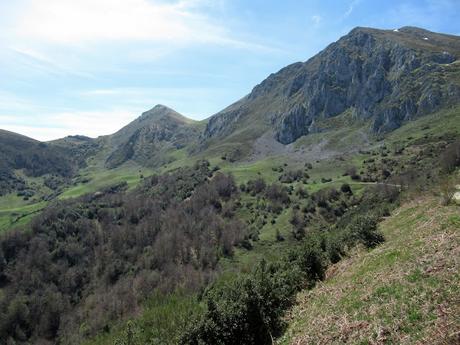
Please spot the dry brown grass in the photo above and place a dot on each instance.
(407, 291)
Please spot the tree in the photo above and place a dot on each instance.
(364, 229)
(298, 225)
(345, 188)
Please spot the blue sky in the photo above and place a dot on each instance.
(91, 66)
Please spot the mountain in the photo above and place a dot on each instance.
(383, 78)
(368, 82)
(149, 138)
(374, 79)
(294, 189)
(79, 147)
(34, 158)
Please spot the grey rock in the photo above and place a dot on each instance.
(294, 124)
(388, 77)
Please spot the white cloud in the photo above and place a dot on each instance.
(81, 37)
(93, 123)
(13, 103)
(194, 102)
(7, 119)
(58, 125)
(37, 133)
(75, 22)
(149, 91)
(39, 62)
(351, 7)
(316, 19)
(45, 123)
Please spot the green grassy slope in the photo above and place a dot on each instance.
(414, 133)
(13, 216)
(96, 176)
(95, 179)
(404, 292)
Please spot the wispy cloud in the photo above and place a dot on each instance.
(194, 102)
(57, 37)
(316, 19)
(71, 22)
(41, 122)
(351, 7)
(38, 61)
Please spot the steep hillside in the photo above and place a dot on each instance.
(175, 231)
(150, 138)
(404, 292)
(35, 158)
(382, 78)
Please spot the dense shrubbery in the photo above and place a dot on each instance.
(10, 182)
(93, 260)
(249, 309)
(255, 187)
(90, 261)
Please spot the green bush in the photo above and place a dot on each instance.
(311, 261)
(364, 229)
(249, 310)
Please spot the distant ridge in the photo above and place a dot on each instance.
(378, 78)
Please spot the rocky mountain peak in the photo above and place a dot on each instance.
(385, 77)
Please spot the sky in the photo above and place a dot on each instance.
(90, 67)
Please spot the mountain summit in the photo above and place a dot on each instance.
(146, 139)
(384, 77)
(375, 79)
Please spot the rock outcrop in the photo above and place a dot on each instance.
(386, 77)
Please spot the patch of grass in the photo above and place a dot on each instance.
(100, 178)
(403, 292)
(244, 172)
(10, 201)
(19, 215)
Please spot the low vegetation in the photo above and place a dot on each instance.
(219, 259)
(404, 292)
(277, 220)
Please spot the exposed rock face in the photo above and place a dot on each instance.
(372, 75)
(383, 76)
(294, 124)
(224, 123)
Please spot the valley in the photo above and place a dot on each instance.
(287, 217)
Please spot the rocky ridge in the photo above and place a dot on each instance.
(386, 77)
